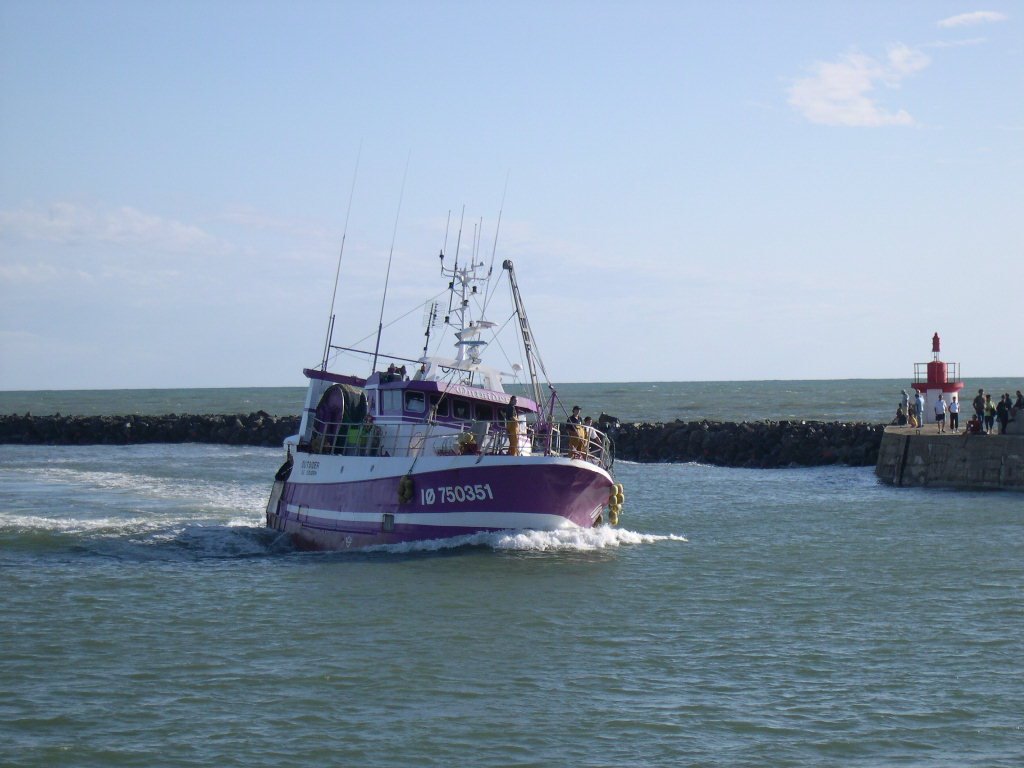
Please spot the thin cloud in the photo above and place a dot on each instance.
(38, 273)
(972, 19)
(252, 219)
(70, 224)
(843, 92)
(956, 43)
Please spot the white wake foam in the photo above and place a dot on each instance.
(112, 526)
(149, 537)
(566, 540)
(209, 494)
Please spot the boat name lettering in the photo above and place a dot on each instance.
(453, 494)
(480, 394)
(310, 466)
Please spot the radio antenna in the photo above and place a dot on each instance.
(341, 252)
(451, 285)
(444, 245)
(494, 250)
(391, 253)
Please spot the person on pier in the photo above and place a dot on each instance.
(979, 406)
(1003, 412)
(940, 414)
(990, 415)
(901, 417)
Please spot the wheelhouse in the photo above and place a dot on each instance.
(392, 415)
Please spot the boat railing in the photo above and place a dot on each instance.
(587, 443)
(480, 437)
(949, 371)
(492, 438)
(345, 438)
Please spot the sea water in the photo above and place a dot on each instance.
(737, 617)
(866, 400)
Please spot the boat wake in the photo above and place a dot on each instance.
(568, 540)
(139, 538)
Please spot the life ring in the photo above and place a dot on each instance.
(405, 489)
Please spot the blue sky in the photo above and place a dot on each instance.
(695, 190)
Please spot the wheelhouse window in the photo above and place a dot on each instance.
(415, 402)
(461, 409)
(484, 412)
(391, 401)
(439, 404)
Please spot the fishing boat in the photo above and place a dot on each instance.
(435, 447)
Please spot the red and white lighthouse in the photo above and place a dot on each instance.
(936, 379)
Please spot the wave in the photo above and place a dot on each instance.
(138, 538)
(210, 494)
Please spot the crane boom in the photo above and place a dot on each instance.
(532, 358)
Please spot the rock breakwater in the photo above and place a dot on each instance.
(258, 428)
(760, 444)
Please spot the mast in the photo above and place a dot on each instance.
(464, 285)
(430, 319)
(455, 269)
(524, 327)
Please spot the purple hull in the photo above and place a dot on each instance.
(541, 495)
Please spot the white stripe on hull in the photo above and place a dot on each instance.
(464, 519)
(324, 468)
